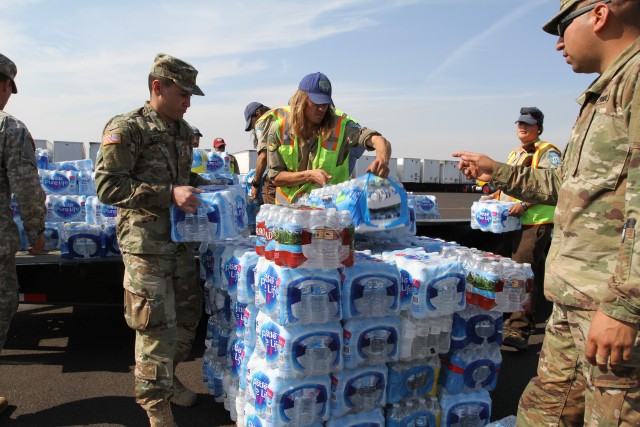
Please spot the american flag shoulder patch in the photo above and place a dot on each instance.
(111, 138)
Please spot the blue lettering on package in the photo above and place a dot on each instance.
(484, 218)
(260, 383)
(66, 209)
(426, 204)
(231, 269)
(56, 182)
(109, 211)
(269, 282)
(214, 163)
(270, 336)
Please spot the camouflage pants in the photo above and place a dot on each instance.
(569, 391)
(8, 294)
(163, 304)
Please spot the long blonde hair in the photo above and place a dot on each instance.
(297, 103)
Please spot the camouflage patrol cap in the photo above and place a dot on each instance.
(551, 27)
(182, 73)
(8, 69)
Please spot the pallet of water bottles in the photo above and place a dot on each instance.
(394, 338)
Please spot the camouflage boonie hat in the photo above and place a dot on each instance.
(551, 27)
(8, 69)
(182, 73)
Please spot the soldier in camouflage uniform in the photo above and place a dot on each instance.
(143, 165)
(18, 175)
(589, 368)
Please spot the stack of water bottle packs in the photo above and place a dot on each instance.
(220, 215)
(304, 330)
(76, 222)
(374, 203)
(493, 216)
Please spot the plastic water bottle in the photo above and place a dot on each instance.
(509, 421)
(315, 304)
(375, 300)
(218, 381)
(270, 226)
(348, 238)
(412, 379)
(289, 240)
(482, 282)
(357, 390)
(513, 294)
(528, 272)
(476, 327)
(206, 365)
(395, 415)
(471, 369)
(261, 228)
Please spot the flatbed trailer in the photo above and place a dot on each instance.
(51, 279)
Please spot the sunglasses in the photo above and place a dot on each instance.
(567, 20)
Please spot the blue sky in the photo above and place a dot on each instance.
(433, 76)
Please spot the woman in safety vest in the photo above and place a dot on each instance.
(530, 243)
(309, 142)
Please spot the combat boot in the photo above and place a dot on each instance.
(160, 415)
(3, 404)
(182, 396)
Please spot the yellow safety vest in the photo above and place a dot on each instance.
(326, 157)
(537, 214)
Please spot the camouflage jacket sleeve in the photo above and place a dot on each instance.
(274, 158)
(623, 300)
(528, 184)
(195, 180)
(114, 166)
(22, 172)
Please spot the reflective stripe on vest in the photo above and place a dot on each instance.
(326, 157)
(537, 214)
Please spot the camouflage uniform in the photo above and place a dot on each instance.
(141, 158)
(597, 189)
(18, 174)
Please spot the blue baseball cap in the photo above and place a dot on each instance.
(196, 131)
(318, 87)
(249, 111)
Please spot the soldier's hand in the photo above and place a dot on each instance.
(475, 166)
(254, 193)
(184, 197)
(610, 342)
(38, 247)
